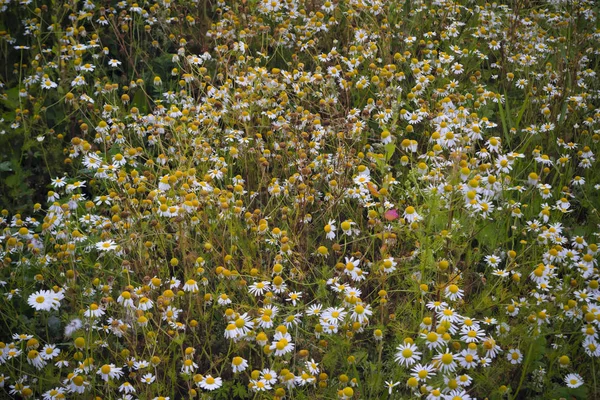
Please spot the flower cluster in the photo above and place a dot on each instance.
(341, 199)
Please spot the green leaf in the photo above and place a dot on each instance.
(562, 392)
(239, 391)
(390, 149)
(521, 111)
(12, 98)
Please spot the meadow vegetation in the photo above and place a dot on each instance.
(269, 199)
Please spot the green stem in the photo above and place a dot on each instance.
(524, 373)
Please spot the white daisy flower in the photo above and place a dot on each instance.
(210, 383)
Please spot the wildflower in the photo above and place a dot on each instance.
(114, 63)
(109, 371)
(446, 361)
(107, 245)
(294, 297)
(458, 394)
(76, 383)
(448, 314)
(330, 229)
(348, 228)
(468, 359)
(492, 260)
(126, 388)
(260, 385)
(333, 315)
(457, 69)
(145, 304)
(411, 215)
(88, 67)
(269, 376)
(422, 372)
(361, 313)
(94, 311)
(432, 339)
(386, 137)
(44, 300)
(58, 182)
(282, 343)
(231, 332)
(188, 367)
(514, 356)
(34, 358)
(54, 394)
(391, 385)
(391, 215)
(314, 309)
(49, 351)
(258, 288)
(174, 283)
(573, 380)
(407, 354)
(389, 265)
(48, 84)
(453, 292)
(148, 378)
(125, 299)
(141, 364)
(238, 364)
(292, 320)
(471, 334)
(243, 324)
(224, 299)
(437, 306)
(210, 383)
(190, 286)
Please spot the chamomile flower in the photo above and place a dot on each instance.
(411, 215)
(514, 356)
(109, 371)
(48, 84)
(126, 388)
(238, 364)
(314, 309)
(446, 361)
(282, 343)
(453, 292)
(422, 372)
(44, 300)
(330, 229)
(259, 288)
(94, 311)
(190, 286)
(407, 354)
(573, 380)
(361, 313)
(148, 378)
(34, 358)
(107, 245)
(391, 385)
(209, 383)
(294, 297)
(49, 352)
(188, 367)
